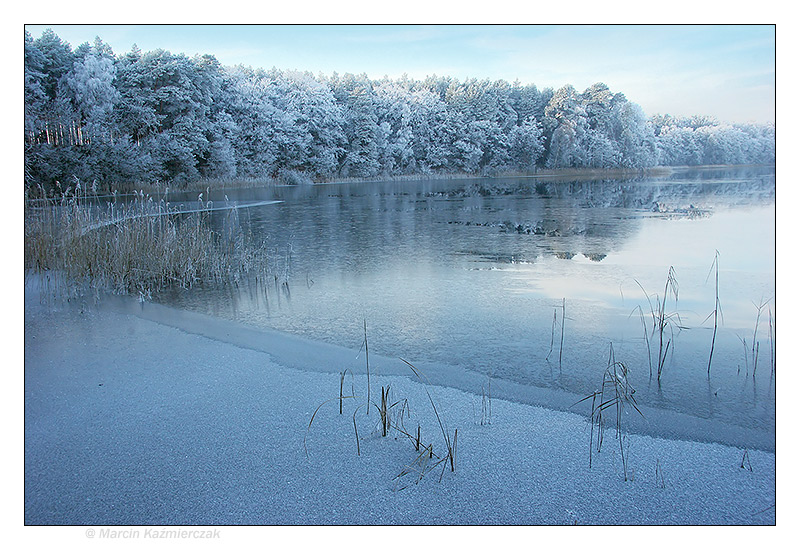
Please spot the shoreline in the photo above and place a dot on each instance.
(570, 174)
(299, 352)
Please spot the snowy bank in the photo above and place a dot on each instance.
(129, 421)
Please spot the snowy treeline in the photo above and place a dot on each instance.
(158, 116)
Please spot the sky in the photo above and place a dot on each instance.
(724, 71)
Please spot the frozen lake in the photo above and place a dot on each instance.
(474, 273)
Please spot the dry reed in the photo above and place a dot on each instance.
(133, 247)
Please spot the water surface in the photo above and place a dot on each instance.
(478, 273)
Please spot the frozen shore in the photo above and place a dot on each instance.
(130, 421)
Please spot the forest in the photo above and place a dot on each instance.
(105, 120)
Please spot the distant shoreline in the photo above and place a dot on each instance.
(572, 174)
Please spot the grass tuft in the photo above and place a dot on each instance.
(486, 403)
(745, 464)
(665, 320)
(663, 323)
(754, 347)
(391, 413)
(616, 394)
(450, 444)
(659, 474)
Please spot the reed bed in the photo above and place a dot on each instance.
(137, 246)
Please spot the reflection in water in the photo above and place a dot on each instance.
(469, 272)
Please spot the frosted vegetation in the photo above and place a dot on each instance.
(153, 117)
(134, 246)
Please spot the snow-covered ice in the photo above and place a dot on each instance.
(129, 421)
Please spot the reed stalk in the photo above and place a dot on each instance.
(755, 359)
(759, 308)
(771, 343)
(383, 410)
(755, 345)
(617, 394)
(486, 403)
(355, 429)
(450, 444)
(365, 347)
(717, 307)
(746, 362)
(745, 464)
(646, 340)
(664, 320)
(552, 335)
(366, 354)
(659, 474)
(563, 317)
(341, 389)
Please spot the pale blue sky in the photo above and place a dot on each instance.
(723, 71)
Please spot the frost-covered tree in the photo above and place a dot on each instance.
(759, 142)
(35, 95)
(526, 145)
(50, 117)
(482, 100)
(222, 156)
(679, 147)
(90, 86)
(358, 97)
(136, 114)
(257, 120)
(395, 106)
(702, 140)
(320, 123)
(51, 59)
(565, 119)
(150, 116)
(435, 131)
(527, 101)
(637, 141)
